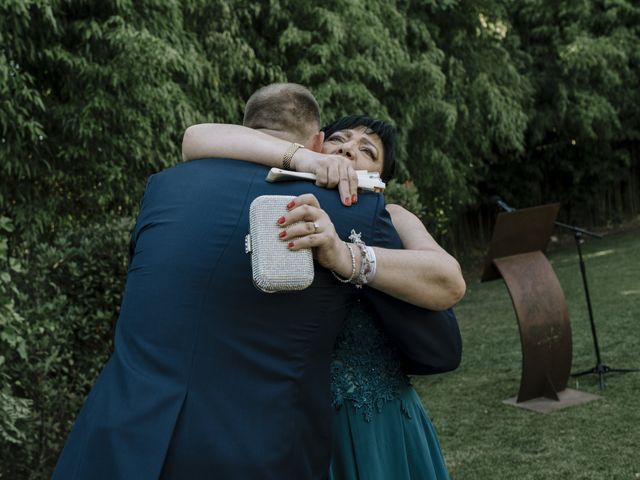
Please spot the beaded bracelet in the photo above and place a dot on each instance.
(368, 262)
(372, 265)
(356, 239)
(353, 267)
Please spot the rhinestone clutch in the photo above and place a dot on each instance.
(275, 268)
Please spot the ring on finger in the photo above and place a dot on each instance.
(315, 227)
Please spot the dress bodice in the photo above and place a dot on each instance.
(365, 368)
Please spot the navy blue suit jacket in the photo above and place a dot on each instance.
(211, 378)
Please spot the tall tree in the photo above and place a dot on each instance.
(584, 132)
(95, 103)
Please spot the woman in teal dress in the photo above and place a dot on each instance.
(381, 430)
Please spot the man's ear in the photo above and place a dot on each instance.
(316, 142)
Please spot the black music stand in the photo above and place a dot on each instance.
(600, 369)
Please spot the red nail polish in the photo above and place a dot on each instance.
(291, 204)
(290, 245)
(347, 201)
(280, 220)
(282, 234)
(354, 198)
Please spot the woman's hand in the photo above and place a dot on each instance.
(315, 231)
(331, 171)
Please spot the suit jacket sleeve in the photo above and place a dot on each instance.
(136, 229)
(429, 340)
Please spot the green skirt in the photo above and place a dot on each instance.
(399, 443)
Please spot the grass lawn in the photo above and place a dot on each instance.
(484, 439)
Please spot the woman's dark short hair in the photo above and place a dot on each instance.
(384, 130)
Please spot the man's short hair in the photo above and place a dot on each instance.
(285, 107)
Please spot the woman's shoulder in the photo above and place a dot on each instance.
(395, 208)
(401, 216)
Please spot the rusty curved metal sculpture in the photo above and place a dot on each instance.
(516, 254)
(543, 321)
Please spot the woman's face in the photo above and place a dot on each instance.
(364, 149)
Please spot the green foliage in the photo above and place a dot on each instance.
(405, 194)
(583, 61)
(97, 97)
(68, 293)
(13, 410)
(534, 99)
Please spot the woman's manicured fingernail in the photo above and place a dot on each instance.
(291, 204)
(354, 198)
(280, 220)
(282, 234)
(290, 245)
(347, 201)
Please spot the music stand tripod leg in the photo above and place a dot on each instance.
(600, 369)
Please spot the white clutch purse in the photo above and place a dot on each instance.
(274, 267)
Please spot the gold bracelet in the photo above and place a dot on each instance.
(288, 156)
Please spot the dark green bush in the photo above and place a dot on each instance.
(68, 293)
(14, 411)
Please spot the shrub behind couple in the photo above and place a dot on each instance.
(211, 378)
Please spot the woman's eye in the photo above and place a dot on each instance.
(336, 138)
(370, 153)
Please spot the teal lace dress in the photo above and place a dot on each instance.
(381, 430)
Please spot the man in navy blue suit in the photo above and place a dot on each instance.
(211, 378)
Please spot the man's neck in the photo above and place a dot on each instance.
(281, 134)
